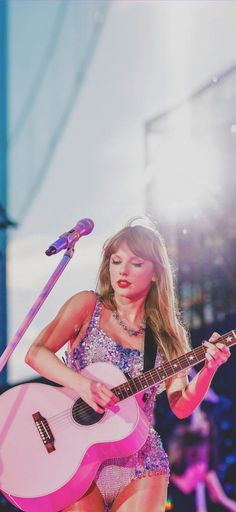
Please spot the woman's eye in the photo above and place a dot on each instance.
(115, 262)
(138, 264)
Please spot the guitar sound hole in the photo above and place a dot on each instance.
(84, 414)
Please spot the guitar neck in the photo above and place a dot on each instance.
(168, 369)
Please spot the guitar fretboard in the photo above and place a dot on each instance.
(168, 369)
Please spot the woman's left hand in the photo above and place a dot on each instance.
(217, 353)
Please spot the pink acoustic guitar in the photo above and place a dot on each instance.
(52, 442)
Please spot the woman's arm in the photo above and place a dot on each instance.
(187, 482)
(41, 356)
(185, 396)
(217, 493)
(70, 318)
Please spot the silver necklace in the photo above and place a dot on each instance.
(129, 330)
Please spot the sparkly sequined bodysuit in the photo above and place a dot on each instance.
(114, 474)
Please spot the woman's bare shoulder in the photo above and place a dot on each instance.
(80, 310)
(83, 301)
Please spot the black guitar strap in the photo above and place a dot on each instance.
(150, 349)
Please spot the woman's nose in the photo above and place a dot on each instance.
(124, 270)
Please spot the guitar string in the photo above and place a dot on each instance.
(169, 363)
(124, 386)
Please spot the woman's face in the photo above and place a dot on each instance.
(131, 276)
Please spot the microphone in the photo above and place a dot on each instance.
(82, 228)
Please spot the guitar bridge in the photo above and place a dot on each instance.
(44, 431)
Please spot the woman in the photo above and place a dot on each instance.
(194, 462)
(135, 289)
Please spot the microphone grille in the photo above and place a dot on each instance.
(84, 226)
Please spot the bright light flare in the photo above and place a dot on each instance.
(184, 176)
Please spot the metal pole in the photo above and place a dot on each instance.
(35, 308)
(3, 181)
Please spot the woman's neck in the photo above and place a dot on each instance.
(132, 310)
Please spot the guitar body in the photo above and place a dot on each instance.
(36, 478)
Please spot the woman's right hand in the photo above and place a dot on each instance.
(96, 394)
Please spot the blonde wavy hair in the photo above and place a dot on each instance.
(160, 306)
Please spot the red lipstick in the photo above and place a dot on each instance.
(123, 283)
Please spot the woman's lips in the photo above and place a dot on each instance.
(122, 283)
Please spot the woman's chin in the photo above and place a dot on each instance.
(130, 294)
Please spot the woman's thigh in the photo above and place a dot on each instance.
(142, 495)
(91, 501)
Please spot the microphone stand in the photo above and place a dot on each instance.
(36, 306)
